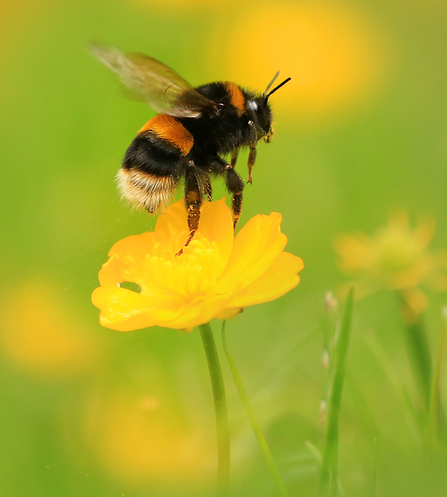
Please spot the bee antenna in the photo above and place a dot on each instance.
(271, 82)
(277, 87)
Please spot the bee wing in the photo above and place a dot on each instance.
(157, 84)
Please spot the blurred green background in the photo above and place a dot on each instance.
(361, 130)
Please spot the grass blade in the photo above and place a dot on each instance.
(253, 420)
(329, 469)
(435, 397)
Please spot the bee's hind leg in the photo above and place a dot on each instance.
(235, 185)
(193, 201)
(208, 189)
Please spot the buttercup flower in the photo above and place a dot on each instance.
(396, 257)
(216, 276)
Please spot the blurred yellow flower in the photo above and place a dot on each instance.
(216, 276)
(42, 335)
(334, 53)
(396, 257)
(146, 437)
(169, 5)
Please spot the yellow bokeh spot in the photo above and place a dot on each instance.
(146, 439)
(331, 52)
(179, 4)
(41, 334)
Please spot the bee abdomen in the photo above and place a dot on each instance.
(154, 162)
(149, 191)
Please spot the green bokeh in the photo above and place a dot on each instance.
(64, 130)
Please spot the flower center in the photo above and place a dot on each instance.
(192, 275)
(398, 254)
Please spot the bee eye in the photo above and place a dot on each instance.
(252, 105)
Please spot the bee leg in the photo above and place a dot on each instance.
(193, 200)
(252, 153)
(235, 185)
(236, 205)
(208, 189)
(234, 157)
(234, 182)
(251, 162)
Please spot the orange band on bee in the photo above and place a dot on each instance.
(169, 129)
(236, 96)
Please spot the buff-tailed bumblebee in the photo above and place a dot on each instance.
(194, 127)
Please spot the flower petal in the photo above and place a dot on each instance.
(425, 231)
(125, 310)
(216, 224)
(134, 247)
(355, 252)
(173, 221)
(196, 314)
(126, 261)
(255, 248)
(277, 280)
(116, 271)
(229, 313)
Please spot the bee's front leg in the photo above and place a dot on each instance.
(193, 201)
(252, 153)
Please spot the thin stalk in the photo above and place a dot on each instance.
(435, 397)
(220, 408)
(418, 349)
(253, 420)
(374, 472)
(329, 469)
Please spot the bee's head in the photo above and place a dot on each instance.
(261, 109)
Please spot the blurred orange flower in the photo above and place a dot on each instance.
(396, 257)
(216, 276)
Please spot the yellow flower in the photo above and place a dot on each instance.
(396, 257)
(216, 276)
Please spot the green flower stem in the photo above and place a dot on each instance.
(253, 420)
(418, 350)
(220, 408)
(435, 412)
(329, 469)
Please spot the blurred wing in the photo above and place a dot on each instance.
(155, 83)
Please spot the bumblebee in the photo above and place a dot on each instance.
(193, 129)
